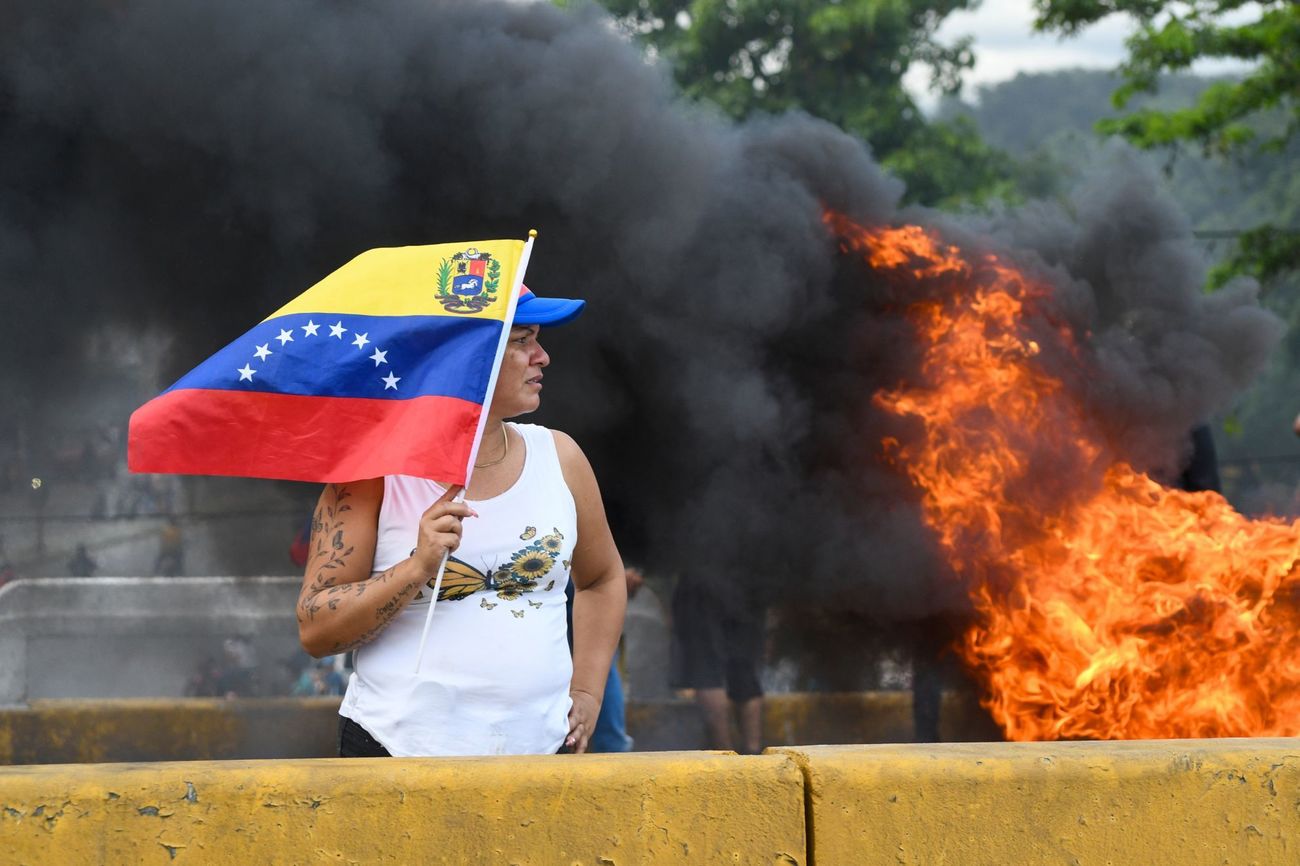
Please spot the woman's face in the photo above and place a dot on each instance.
(519, 384)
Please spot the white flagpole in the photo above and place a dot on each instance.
(511, 302)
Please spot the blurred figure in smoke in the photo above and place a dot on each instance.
(206, 681)
(1202, 470)
(319, 678)
(238, 676)
(171, 550)
(931, 663)
(717, 649)
(81, 564)
(6, 567)
(300, 548)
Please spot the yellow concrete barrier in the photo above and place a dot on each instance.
(797, 718)
(167, 729)
(589, 809)
(1178, 802)
(71, 731)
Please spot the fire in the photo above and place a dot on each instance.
(1107, 605)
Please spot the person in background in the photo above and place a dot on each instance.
(81, 564)
(718, 646)
(7, 572)
(206, 681)
(300, 548)
(238, 677)
(171, 550)
(1202, 470)
(319, 678)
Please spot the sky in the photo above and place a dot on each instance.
(1006, 44)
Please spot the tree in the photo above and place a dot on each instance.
(842, 61)
(1258, 110)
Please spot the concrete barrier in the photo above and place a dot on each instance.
(829, 718)
(597, 809)
(175, 729)
(106, 637)
(1184, 803)
(1180, 802)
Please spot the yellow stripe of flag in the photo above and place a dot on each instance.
(413, 281)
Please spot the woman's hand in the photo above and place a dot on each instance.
(582, 720)
(440, 529)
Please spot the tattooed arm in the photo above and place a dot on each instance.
(342, 604)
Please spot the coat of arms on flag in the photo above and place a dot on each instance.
(468, 281)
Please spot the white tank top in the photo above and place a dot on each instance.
(496, 671)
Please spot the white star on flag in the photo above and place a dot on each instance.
(245, 373)
(390, 381)
(285, 337)
(337, 329)
(360, 341)
(263, 351)
(380, 357)
(310, 329)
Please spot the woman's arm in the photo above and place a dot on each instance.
(600, 594)
(342, 605)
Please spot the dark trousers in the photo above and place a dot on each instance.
(356, 742)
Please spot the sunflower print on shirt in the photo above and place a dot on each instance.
(521, 575)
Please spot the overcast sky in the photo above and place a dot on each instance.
(1005, 44)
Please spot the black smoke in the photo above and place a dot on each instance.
(189, 166)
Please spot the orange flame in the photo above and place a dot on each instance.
(1117, 609)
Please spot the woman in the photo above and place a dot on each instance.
(496, 677)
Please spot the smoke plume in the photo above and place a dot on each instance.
(189, 166)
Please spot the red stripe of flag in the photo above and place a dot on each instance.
(198, 431)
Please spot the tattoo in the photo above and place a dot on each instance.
(307, 604)
(330, 554)
(327, 522)
(389, 609)
(383, 614)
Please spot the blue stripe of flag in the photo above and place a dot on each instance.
(397, 357)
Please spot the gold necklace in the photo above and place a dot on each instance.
(505, 450)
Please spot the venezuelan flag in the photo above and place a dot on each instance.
(384, 367)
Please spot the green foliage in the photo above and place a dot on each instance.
(842, 61)
(1261, 253)
(947, 164)
(1171, 35)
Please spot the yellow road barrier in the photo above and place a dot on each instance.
(692, 807)
(1177, 802)
(1184, 802)
(72, 731)
(167, 729)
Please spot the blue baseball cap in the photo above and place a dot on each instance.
(532, 310)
